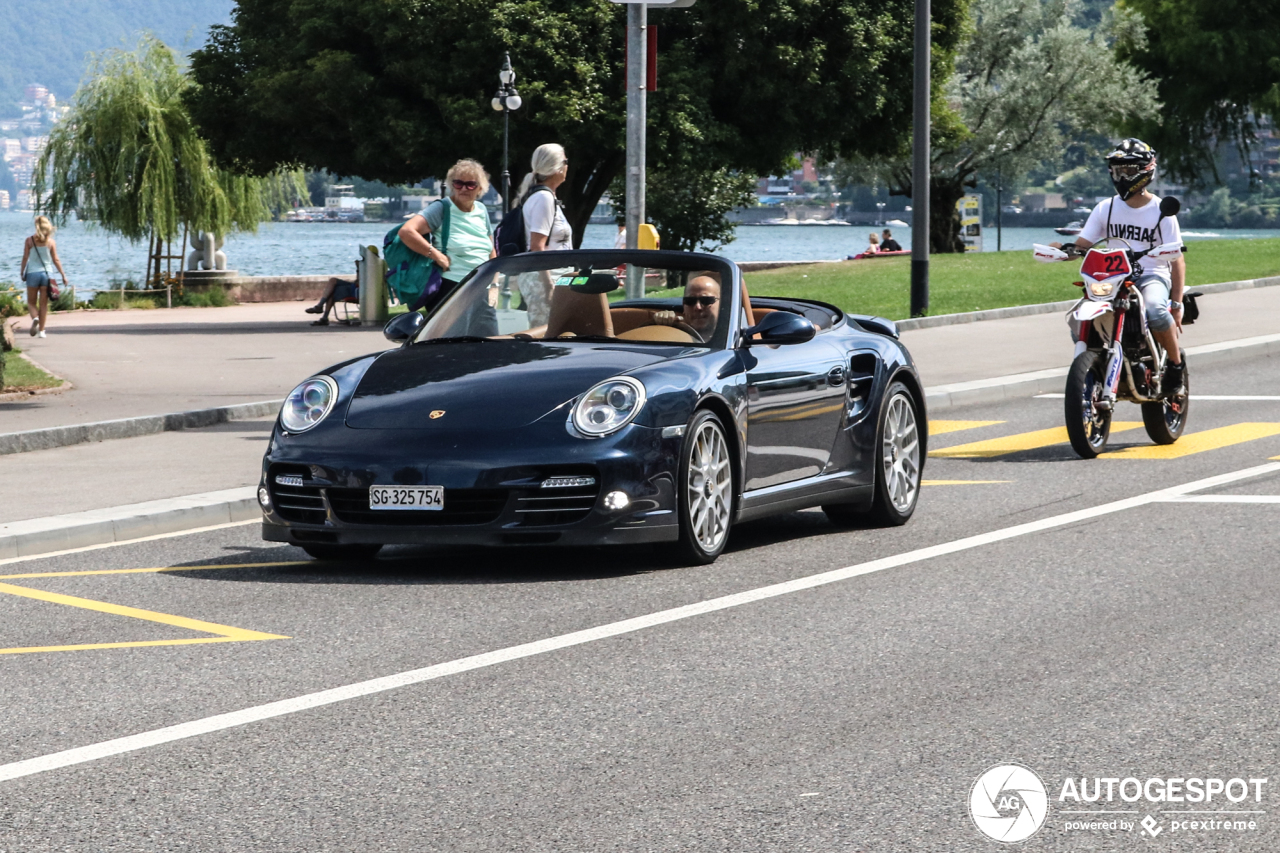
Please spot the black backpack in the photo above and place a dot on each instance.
(509, 239)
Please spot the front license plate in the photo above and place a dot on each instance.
(406, 497)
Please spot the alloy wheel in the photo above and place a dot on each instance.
(901, 453)
(710, 487)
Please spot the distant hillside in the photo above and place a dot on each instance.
(47, 42)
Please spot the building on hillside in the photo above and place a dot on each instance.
(10, 148)
(22, 166)
(4, 199)
(24, 200)
(34, 144)
(35, 93)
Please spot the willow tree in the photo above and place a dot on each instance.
(129, 157)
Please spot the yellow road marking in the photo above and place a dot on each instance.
(223, 633)
(152, 570)
(944, 427)
(960, 482)
(1022, 441)
(1199, 442)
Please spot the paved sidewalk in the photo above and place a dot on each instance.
(132, 363)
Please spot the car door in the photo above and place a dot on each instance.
(795, 405)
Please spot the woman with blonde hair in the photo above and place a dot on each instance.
(38, 274)
(545, 225)
(467, 241)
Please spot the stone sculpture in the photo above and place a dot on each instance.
(208, 254)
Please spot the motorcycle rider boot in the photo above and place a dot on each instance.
(1171, 382)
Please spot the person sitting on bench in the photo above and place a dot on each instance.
(337, 289)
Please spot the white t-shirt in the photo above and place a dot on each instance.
(1137, 226)
(543, 216)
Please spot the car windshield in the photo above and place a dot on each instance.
(562, 296)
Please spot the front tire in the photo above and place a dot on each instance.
(1166, 419)
(706, 491)
(343, 553)
(1088, 427)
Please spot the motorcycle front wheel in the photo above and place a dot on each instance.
(1088, 427)
(1166, 419)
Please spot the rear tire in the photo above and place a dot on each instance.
(1087, 426)
(1164, 423)
(342, 553)
(706, 491)
(898, 466)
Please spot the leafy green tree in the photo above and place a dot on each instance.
(396, 90)
(1027, 81)
(129, 157)
(1218, 67)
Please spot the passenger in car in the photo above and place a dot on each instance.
(701, 311)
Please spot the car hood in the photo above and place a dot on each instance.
(485, 385)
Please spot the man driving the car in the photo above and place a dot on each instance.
(701, 306)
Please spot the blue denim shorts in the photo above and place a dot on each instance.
(37, 279)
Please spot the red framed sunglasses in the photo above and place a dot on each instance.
(466, 185)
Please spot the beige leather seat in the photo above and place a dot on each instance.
(578, 313)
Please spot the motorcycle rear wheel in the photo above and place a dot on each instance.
(1088, 427)
(1166, 419)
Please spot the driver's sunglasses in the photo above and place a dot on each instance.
(466, 185)
(704, 301)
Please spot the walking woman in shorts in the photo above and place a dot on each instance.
(39, 258)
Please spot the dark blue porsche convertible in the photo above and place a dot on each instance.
(586, 418)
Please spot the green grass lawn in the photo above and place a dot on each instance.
(979, 281)
(22, 375)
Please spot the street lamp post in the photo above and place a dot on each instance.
(505, 101)
(879, 212)
(920, 164)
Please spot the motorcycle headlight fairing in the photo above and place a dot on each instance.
(609, 406)
(308, 404)
(1101, 288)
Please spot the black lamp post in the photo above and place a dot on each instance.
(505, 101)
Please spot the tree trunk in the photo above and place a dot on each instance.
(581, 192)
(944, 219)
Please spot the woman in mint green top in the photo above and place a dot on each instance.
(470, 238)
(39, 259)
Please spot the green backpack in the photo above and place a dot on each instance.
(408, 272)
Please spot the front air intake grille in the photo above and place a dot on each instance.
(546, 507)
(294, 496)
(461, 506)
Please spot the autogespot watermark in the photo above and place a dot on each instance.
(1010, 803)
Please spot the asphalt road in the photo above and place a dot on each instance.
(849, 712)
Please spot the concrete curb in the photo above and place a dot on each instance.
(46, 439)
(1051, 381)
(123, 523)
(1053, 307)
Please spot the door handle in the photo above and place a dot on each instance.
(835, 376)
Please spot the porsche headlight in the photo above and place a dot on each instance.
(609, 406)
(308, 404)
(1101, 288)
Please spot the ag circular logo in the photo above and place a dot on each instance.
(1008, 803)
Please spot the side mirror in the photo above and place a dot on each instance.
(1169, 206)
(403, 326)
(781, 327)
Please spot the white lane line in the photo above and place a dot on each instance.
(1224, 499)
(1263, 397)
(221, 722)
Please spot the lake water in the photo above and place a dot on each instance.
(94, 259)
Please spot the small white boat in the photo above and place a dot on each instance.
(1071, 229)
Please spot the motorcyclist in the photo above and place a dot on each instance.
(1132, 166)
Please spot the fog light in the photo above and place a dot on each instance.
(617, 501)
(264, 497)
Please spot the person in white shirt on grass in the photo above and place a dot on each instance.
(1133, 215)
(545, 226)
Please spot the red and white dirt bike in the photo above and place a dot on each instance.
(1116, 356)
